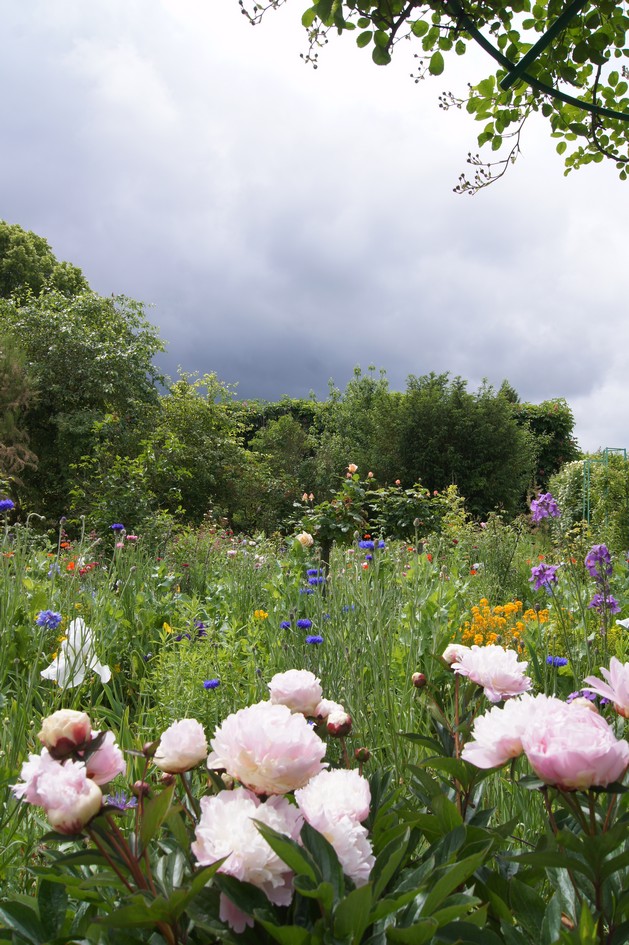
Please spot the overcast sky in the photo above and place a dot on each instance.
(286, 224)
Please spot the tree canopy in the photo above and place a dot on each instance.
(564, 59)
(28, 264)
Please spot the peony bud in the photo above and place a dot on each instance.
(419, 680)
(304, 497)
(362, 755)
(339, 724)
(65, 730)
(140, 788)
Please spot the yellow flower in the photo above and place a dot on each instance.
(260, 614)
(117, 668)
(77, 606)
(167, 628)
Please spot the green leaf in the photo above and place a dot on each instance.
(52, 902)
(363, 39)
(24, 920)
(287, 934)
(417, 934)
(351, 916)
(381, 57)
(387, 863)
(455, 875)
(288, 851)
(309, 17)
(325, 858)
(419, 28)
(528, 906)
(436, 64)
(154, 813)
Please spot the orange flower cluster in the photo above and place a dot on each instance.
(504, 624)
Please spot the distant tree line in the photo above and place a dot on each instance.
(88, 426)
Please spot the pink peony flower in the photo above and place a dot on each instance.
(325, 707)
(69, 798)
(32, 770)
(575, 750)
(64, 730)
(497, 670)
(498, 734)
(616, 689)
(339, 793)
(226, 828)
(267, 748)
(338, 724)
(299, 689)
(182, 747)
(106, 762)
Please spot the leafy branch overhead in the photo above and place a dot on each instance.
(564, 59)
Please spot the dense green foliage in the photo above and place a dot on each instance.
(563, 60)
(28, 265)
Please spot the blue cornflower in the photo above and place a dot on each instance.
(314, 639)
(211, 683)
(6, 505)
(312, 572)
(120, 801)
(366, 543)
(49, 619)
(285, 625)
(306, 590)
(326, 617)
(368, 557)
(304, 624)
(557, 661)
(54, 569)
(117, 527)
(316, 580)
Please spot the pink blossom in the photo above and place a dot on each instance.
(267, 748)
(497, 670)
(69, 798)
(226, 828)
(106, 762)
(341, 792)
(325, 707)
(182, 747)
(616, 689)
(575, 750)
(497, 735)
(299, 689)
(64, 730)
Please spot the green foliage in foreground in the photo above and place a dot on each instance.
(462, 855)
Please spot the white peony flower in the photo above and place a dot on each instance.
(181, 747)
(299, 689)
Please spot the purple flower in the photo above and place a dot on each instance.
(557, 661)
(285, 625)
(369, 545)
(316, 580)
(598, 561)
(314, 639)
(48, 619)
(606, 602)
(211, 683)
(544, 506)
(544, 575)
(312, 572)
(582, 694)
(6, 505)
(117, 527)
(120, 801)
(304, 624)
(306, 590)
(368, 557)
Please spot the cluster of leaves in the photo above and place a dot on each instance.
(564, 61)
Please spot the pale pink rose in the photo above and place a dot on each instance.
(67, 795)
(575, 750)
(182, 747)
(616, 689)
(32, 770)
(325, 707)
(497, 735)
(497, 670)
(226, 828)
(64, 730)
(299, 689)
(454, 652)
(339, 793)
(305, 539)
(106, 762)
(267, 748)
(352, 468)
